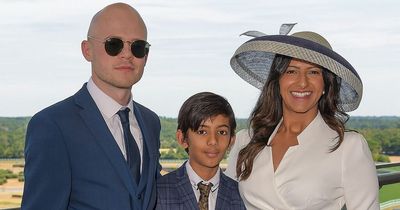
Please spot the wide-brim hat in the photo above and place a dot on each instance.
(252, 62)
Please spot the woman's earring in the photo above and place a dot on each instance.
(323, 92)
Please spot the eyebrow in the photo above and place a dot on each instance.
(311, 67)
(220, 126)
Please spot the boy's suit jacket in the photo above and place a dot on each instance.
(174, 191)
(74, 163)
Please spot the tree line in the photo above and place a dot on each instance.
(12, 136)
(382, 134)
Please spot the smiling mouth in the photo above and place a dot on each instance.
(212, 154)
(300, 94)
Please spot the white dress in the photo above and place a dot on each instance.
(309, 176)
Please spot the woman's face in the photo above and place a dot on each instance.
(301, 86)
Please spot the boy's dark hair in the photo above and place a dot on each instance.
(201, 107)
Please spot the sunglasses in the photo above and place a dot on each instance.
(114, 46)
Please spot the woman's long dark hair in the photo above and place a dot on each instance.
(268, 112)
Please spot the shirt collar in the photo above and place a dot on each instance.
(195, 179)
(317, 127)
(318, 120)
(107, 105)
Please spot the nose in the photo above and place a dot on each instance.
(303, 80)
(126, 51)
(212, 140)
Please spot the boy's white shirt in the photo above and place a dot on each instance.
(195, 179)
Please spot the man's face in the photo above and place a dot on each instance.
(123, 70)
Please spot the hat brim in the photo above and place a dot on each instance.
(253, 59)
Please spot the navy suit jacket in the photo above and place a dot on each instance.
(174, 191)
(73, 162)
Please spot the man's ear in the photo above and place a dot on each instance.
(232, 142)
(145, 58)
(86, 50)
(180, 137)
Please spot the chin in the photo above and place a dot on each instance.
(125, 84)
(212, 165)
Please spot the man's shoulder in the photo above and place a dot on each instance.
(148, 115)
(60, 110)
(143, 109)
(53, 116)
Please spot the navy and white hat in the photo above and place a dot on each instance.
(252, 61)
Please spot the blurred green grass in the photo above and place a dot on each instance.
(389, 192)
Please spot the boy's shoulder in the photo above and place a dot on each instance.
(228, 182)
(173, 176)
(228, 193)
(174, 187)
(168, 178)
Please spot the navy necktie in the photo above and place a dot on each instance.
(132, 149)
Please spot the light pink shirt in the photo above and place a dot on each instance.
(109, 108)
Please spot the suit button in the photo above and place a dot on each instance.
(139, 196)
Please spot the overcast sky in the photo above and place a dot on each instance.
(192, 43)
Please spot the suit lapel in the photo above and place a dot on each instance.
(223, 192)
(148, 146)
(185, 189)
(94, 121)
(148, 165)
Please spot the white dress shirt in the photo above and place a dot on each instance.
(309, 176)
(195, 179)
(109, 108)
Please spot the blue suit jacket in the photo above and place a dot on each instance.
(73, 162)
(174, 191)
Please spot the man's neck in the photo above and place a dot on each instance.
(120, 95)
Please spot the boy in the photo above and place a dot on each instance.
(206, 128)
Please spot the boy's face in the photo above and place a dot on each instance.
(207, 145)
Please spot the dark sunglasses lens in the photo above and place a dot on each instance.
(113, 46)
(140, 48)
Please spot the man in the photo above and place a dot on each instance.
(98, 149)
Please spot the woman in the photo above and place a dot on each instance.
(298, 154)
